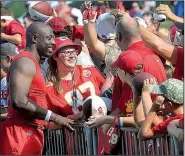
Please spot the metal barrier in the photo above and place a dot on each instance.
(84, 141)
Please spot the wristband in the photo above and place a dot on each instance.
(48, 115)
(116, 120)
(119, 124)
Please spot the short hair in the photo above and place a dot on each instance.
(27, 15)
(66, 32)
(168, 71)
(149, 13)
(5, 11)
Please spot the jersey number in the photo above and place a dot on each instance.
(87, 86)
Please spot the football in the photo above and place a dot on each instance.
(94, 106)
(40, 11)
(138, 80)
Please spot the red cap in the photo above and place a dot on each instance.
(78, 32)
(61, 42)
(57, 24)
(128, 61)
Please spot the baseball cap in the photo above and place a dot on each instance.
(105, 26)
(179, 25)
(128, 61)
(62, 42)
(9, 49)
(57, 24)
(172, 89)
(78, 32)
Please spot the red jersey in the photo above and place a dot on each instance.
(179, 66)
(88, 81)
(37, 93)
(16, 28)
(162, 127)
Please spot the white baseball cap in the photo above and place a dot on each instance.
(105, 26)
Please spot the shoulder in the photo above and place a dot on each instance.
(23, 65)
(15, 23)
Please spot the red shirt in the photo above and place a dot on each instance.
(126, 100)
(162, 127)
(16, 28)
(152, 64)
(88, 82)
(179, 66)
(37, 94)
(117, 91)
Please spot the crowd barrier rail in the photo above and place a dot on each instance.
(84, 141)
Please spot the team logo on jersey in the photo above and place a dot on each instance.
(129, 108)
(86, 73)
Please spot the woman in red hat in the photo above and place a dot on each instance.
(70, 84)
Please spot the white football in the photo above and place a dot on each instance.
(159, 17)
(94, 106)
(40, 11)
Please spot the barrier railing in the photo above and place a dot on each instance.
(84, 141)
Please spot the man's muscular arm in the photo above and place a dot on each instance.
(22, 72)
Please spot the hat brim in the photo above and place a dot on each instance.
(155, 89)
(76, 46)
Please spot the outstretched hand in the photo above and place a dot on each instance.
(96, 121)
(63, 121)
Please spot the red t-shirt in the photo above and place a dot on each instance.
(152, 65)
(162, 127)
(16, 28)
(88, 82)
(179, 66)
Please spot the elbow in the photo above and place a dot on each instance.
(16, 103)
(18, 40)
(142, 135)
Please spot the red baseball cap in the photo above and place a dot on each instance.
(78, 32)
(62, 42)
(128, 61)
(57, 24)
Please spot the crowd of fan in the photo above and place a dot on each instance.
(100, 52)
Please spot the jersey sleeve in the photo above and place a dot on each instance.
(98, 77)
(16, 29)
(162, 127)
(179, 67)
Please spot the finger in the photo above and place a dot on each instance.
(91, 118)
(71, 121)
(161, 12)
(144, 83)
(69, 127)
